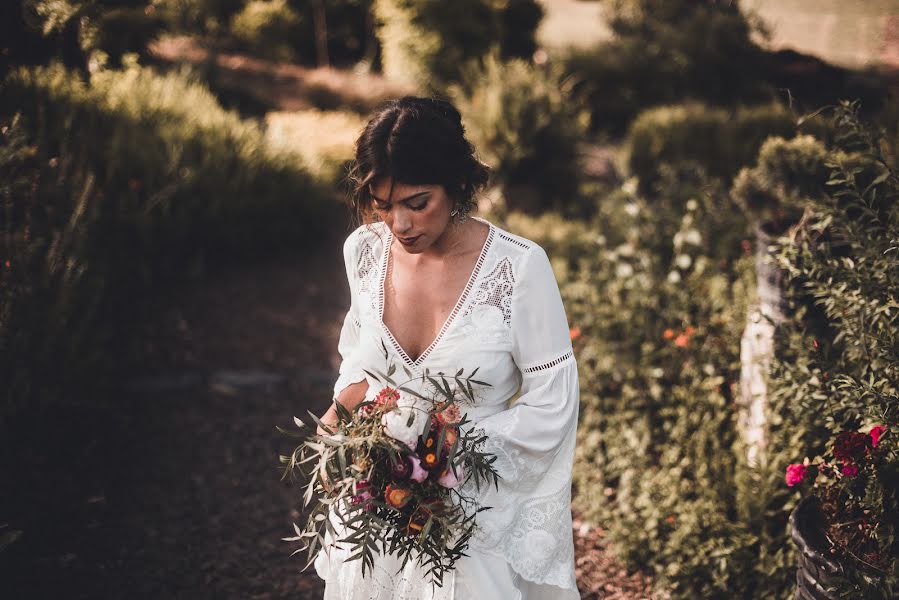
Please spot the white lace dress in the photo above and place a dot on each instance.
(510, 322)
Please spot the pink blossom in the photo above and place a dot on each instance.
(850, 469)
(448, 479)
(795, 474)
(418, 473)
(875, 434)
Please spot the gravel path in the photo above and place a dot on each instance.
(177, 492)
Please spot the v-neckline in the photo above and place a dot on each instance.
(453, 313)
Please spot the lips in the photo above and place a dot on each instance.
(409, 241)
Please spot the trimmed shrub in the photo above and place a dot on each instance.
(529, 134)
(717, 140)
(786, 175)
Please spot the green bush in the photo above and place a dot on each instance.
(718, 140)
(665, 51)
(266, 27)
(658, 293)
(528, 132)
(431, 44)
(837, 358)
(119, 187)
(786, 175)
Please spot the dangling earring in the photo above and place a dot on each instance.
(459, 213)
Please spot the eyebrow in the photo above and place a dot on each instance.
(406, 199)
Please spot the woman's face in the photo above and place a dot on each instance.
(417, 215)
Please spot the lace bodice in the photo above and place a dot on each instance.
(509, 322)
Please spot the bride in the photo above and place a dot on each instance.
(444, 291)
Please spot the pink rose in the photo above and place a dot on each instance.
(448, 479)
(849, 469)
(418, 473)
(875, 434)
(795, 474)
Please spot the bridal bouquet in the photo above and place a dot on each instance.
(391, 470)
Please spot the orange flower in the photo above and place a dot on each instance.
(668, 334)
(397, 496)
(670, 519)
(690, 330)
(429, 460)
(575, 333)
(8, 264)
(681, 341)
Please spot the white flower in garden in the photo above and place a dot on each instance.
(623, 271)
(673, 277)
(692, 204)
(625, 249)
(683, 261)
(407, 421)
(691, 236)
(630, 186)
(631, 209)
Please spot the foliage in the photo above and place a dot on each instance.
(78, 30)
(666, 51)
(658, 292)
(786, 175)
(116, 188)
(837, 364)
(265, 27)
(529, 133)
(431, 44)
(718, 140)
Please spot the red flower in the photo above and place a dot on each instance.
(850, 446)
(387, 398)
(850, 469)
(875, 434)
(575, 333)
(681, 341)
(795, 474)
(668, 334)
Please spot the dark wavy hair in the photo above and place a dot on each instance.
(416, 141)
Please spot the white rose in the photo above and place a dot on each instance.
(407, 421)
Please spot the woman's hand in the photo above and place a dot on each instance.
(350, 397)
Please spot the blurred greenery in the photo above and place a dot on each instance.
(122, 175)
(116, 187)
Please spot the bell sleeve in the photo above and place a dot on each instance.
(350, 370)
(529, 522)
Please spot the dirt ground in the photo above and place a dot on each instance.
(177, 493)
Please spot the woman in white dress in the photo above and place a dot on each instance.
(444, 291)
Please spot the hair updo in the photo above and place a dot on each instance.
(416, 141)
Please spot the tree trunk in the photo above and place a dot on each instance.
(321, 33)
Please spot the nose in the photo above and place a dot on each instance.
(402, 220)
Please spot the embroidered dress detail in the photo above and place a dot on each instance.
(449, 320)
(509, 323)
(515, 241)
(496, 290)
(548, 365)
(366, 270)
